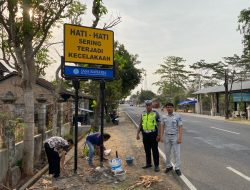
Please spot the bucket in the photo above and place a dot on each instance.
(116, 165)
(121, 176)
(129, 160)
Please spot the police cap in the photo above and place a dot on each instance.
(148, 102)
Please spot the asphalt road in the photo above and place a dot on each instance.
(215, 154)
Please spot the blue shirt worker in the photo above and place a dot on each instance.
(149, 124)
(92, 141)
(171, 135)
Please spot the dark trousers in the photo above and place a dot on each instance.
(53, 159)
(149, 142)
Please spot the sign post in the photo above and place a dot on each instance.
(102, 89)
(94, 50)
(76, 85)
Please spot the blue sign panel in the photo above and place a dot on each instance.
(244, 97)
(82, 72)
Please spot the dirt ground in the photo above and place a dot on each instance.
(124, 142)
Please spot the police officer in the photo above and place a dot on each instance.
(149, 124)
(171, 135)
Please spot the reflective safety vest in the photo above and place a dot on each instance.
(149, 121)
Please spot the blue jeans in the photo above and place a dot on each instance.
(91, 152)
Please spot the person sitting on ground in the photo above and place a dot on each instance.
(94, 140)
(56, 149)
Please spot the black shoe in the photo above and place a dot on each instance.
(157, 169)
(56, 176)
(178, 172)
(147, 166)
(168, 169)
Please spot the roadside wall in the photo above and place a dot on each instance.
(19, 154)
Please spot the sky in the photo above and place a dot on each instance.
(193, 30)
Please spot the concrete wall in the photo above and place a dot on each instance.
(66, 128)
(3, 163)
(38, 147)
(19, 154)
(83, 129)
(13, 84)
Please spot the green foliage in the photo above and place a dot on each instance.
(146, 95)
(19, 126)
(85, 151)
(129, 75)
(241, 106)
(3, 116)
(76, 10)
(93, 104)
(127, 78)
(112, 95)
(42, 61)
(244, 28)
(174, 77)
(205, 74)
(25, 28)
(211, 74)
(98, 10)
(68, 136)
(102, 10)
(19, 163)
(12, 127)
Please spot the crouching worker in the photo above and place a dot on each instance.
(94, 140)
(56, 149)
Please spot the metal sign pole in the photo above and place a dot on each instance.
(76, 84)
(102, 88)
(74, 36)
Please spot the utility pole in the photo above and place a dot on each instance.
(226, 95)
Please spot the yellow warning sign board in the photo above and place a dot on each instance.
(88, 45)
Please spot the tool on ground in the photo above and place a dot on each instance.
(146, 181)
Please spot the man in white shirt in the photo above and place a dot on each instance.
(171, 135)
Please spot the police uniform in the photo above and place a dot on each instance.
(171, 123)
(149, 129)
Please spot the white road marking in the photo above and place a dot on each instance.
(225, 130)
(184, 179)
(239, 173)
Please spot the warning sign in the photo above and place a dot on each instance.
(87, 45)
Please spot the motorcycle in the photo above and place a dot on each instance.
(114, 118)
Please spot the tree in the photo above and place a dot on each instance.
(127, 78)
(146, 95)
(127, 71)
(173, 77)
(42, 61)
(227, 72)
(27, 24)
(202, 74)
(244, 28)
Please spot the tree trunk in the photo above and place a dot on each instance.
(28, 140)
(226, 96)
(97, 113)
